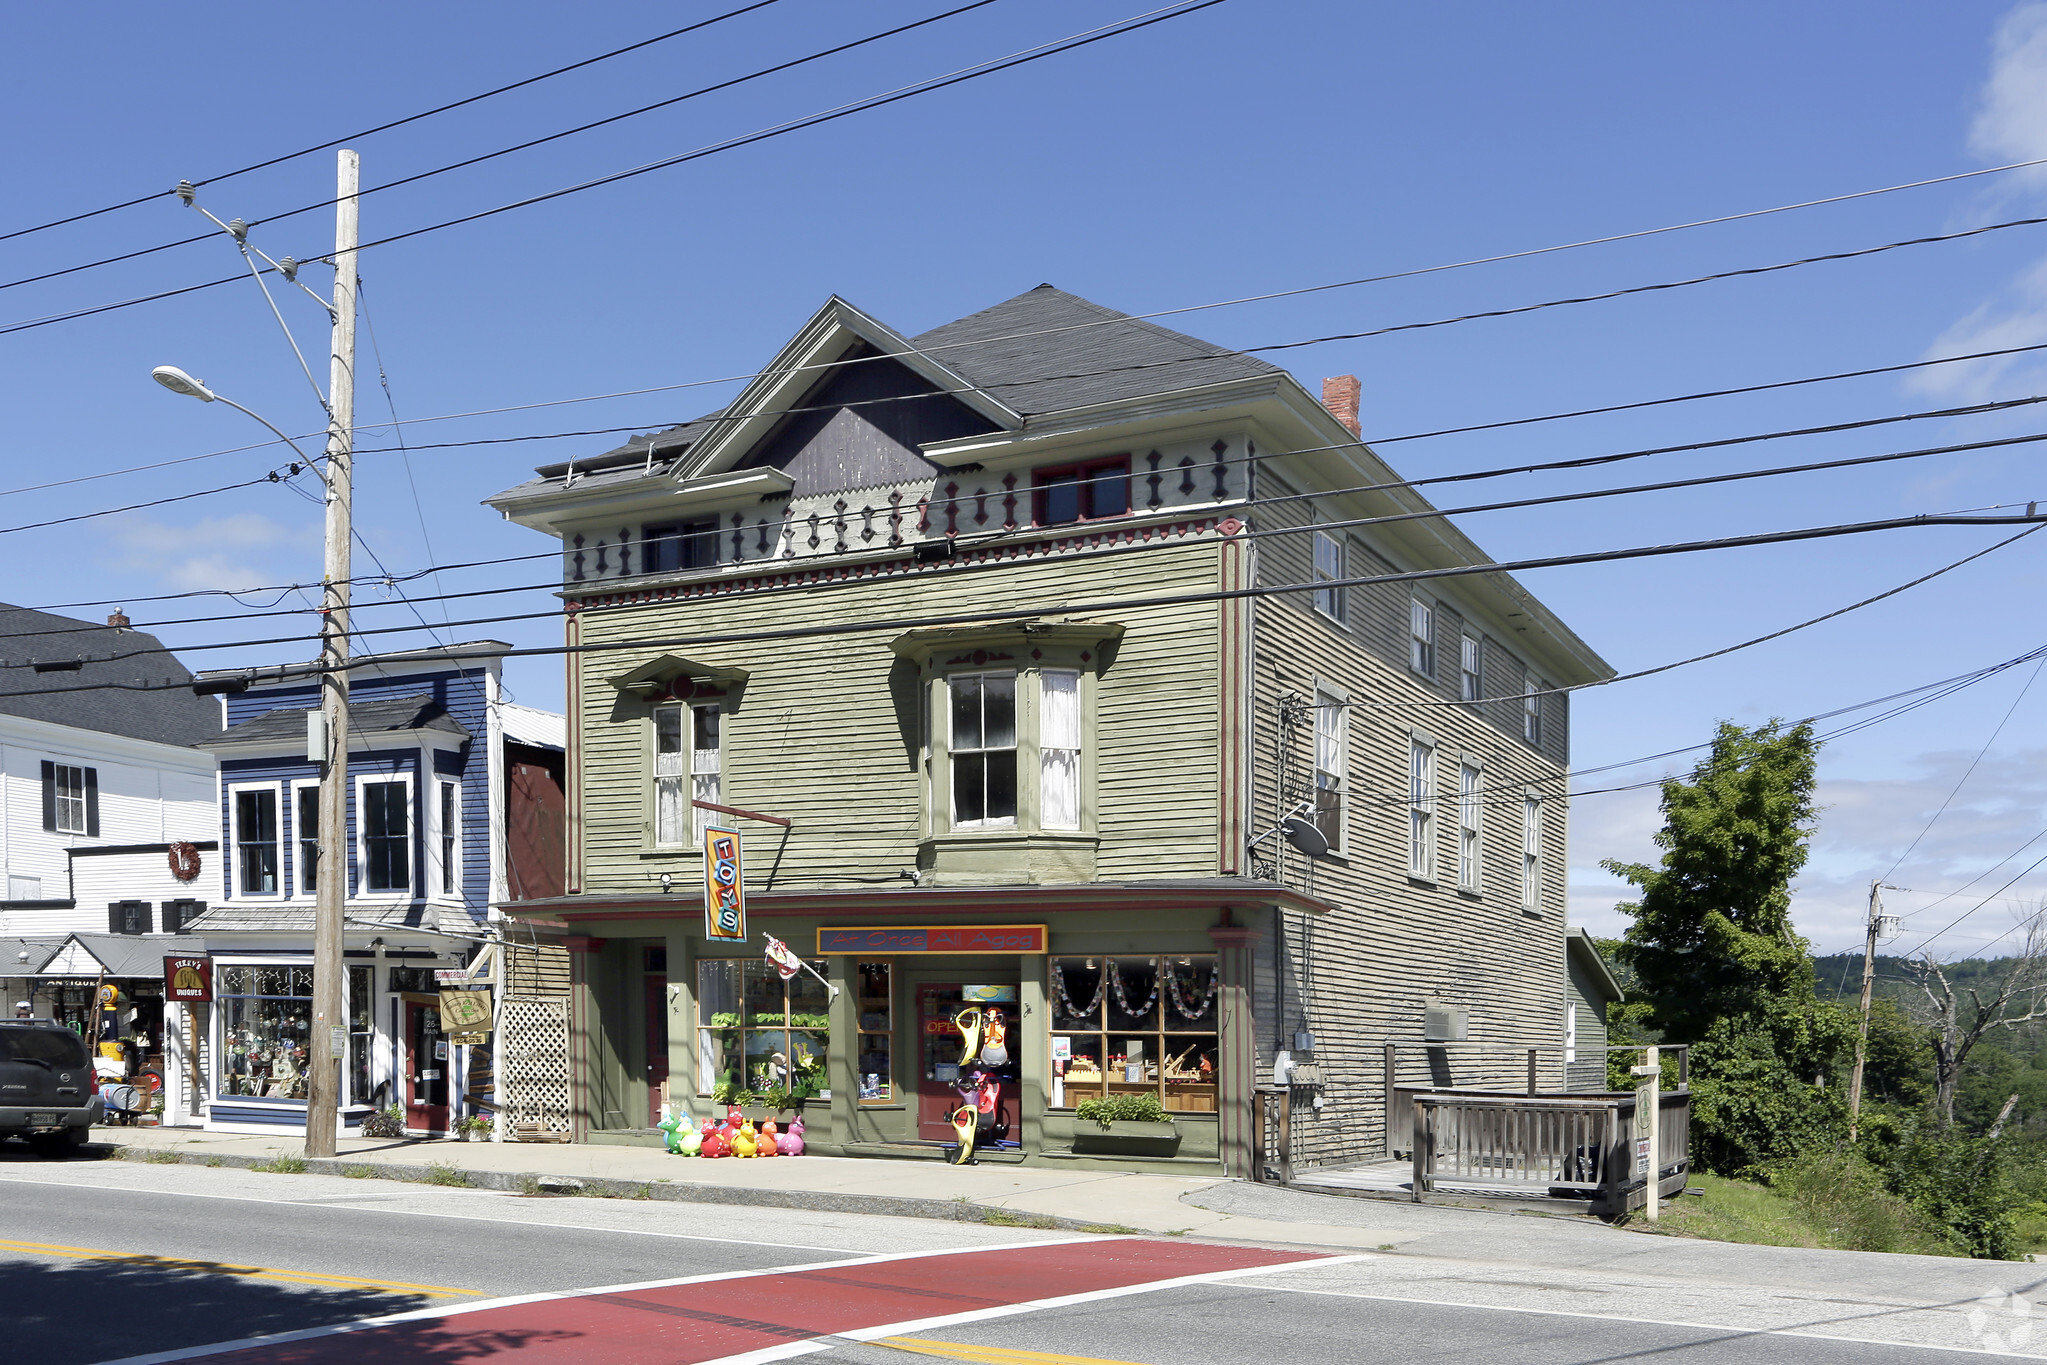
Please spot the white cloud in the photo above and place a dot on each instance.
(2010, 125)
(2011, 121)
(216, 552)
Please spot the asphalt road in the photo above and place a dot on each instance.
(106, 1260)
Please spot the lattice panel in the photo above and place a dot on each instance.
(533, 1061)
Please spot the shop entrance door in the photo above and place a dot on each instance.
(426, 1068)
(657, 1045)
(939, 1048)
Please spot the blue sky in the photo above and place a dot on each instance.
(1247, 148)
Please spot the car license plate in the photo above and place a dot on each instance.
(36, 1120)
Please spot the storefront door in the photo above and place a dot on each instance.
(940, 1047)
(426, 1068)
(657, 1045)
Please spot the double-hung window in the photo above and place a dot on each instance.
(1082, 492)
(1332, 766)
(983, 749)
(1059, 749)
(1421, 636)
(71, 799)
(1470, 829)
(1328, 569)
(677, 546)
(387, 836)
(1421, 810)
(450, 838)
(1532, 689)
(1470, 669)
(688, 766)
(308, 832)
(1531, 852)
(256, 842)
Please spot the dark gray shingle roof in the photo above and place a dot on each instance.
(369, 717)
(1110, 358)
(101, 693)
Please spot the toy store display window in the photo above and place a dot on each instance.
(266, 1018)
(758, 1034)
(1134, 1025)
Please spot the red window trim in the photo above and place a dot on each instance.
(1083, 470)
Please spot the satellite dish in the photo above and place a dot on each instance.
(1304, 836)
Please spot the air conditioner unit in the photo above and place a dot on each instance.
(1446, 1024)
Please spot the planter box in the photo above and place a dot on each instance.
(1123, 1138)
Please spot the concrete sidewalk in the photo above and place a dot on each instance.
(1028, 1195)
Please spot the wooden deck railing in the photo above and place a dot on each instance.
(1563, 1145)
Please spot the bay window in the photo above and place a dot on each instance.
(983, 749)
(387, 836)
(256, 841)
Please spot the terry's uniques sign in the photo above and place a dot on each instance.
(935, 938)
(188, 979)
(724, 887)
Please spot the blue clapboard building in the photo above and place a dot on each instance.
(431, 740)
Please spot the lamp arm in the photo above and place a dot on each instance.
(304, 458)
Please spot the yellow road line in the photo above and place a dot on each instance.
(254, 1272)
(987, 1355)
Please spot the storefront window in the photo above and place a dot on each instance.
(1122, 1025)
(757, 1033)
(877, 1019)
(361, 1007)
(266, 1016)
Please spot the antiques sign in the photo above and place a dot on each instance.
(188, 979)
(466, 1015)
(904, 940)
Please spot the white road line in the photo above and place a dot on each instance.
(1655, 1322)
(513, 1301)
(466, 1217)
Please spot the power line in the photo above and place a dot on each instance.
(412, 118)
(1322, 525)
(517, 147)
(1116, 30)
(1204, 596)
(1967, 773)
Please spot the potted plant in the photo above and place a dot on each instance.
(385, 1123)
(1124, 1125)
(474, 1128)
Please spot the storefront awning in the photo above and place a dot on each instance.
(136, 957)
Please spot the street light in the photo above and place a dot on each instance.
(330, 1032)
(177, 381)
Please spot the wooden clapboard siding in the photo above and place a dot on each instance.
(1395, 944)
(828, 731)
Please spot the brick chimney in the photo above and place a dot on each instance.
(118, 619)
(1340, 396)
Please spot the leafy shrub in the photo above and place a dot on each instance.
(1123, 1108)
(385, 1123)
(1846, 1200)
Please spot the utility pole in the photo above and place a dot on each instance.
(329, 1039)
(1862, 1035)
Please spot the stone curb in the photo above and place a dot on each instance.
(537, 1183)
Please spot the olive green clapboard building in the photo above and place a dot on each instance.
(1006, 649)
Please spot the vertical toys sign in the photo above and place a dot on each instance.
(724, 887)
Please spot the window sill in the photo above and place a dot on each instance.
(1526, 913)
(1007, 856)
(1470, 894)
(1426, 883)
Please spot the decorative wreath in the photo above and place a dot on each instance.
(184, 856)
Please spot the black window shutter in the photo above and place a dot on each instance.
(49, 795)
(117, 916)
(178, 914)
(92, 804)
(138, 913)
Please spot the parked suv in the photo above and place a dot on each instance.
(48, 1092)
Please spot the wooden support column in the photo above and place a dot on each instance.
(582, 1011)
(1236, 1044)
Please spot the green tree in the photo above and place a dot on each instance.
(1714, 955)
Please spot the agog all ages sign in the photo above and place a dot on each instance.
(724, 887)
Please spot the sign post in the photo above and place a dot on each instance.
(1647, 1127)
